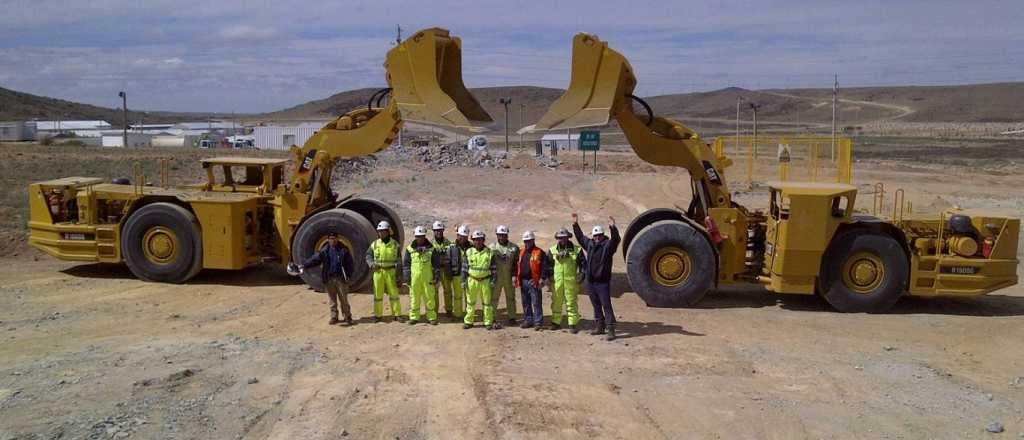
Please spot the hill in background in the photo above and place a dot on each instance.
(15, 106)
(998, 102)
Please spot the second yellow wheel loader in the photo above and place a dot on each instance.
(247, 212)
(809, 242)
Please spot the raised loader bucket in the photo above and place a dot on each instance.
(425, 75)
(599, 76)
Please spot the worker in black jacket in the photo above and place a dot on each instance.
(600, 250)
(335, 264)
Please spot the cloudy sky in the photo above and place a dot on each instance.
(210, 55)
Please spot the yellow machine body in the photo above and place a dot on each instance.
(247, 212)
(789, 248)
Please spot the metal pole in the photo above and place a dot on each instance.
(835, 93)
(738, 99)
(506, 102)
(522, 123)
(754, 107)
(124, 114)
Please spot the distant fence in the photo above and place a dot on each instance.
(797, 157)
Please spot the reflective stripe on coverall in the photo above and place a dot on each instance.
(449, 281)
(504, 257)
(385, 276)
(421, 282)
(478, 282)
(566, 287)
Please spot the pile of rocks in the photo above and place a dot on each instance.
(547, 161)
(355, 166)
(448, 155)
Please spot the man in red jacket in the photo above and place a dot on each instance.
(530, 271)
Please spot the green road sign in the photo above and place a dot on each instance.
(590, 140)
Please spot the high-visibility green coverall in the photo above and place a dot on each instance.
(419, 265)
(566, 267)
(478, 273)
(450, 281)
(504, 257)
(383, 260)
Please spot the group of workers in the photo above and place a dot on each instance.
(469, 271)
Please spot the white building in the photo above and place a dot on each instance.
(17, 131)
(562, 140)
(45, 129)
(135, 140)
(278, 137)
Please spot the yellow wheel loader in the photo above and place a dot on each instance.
(247, 212)
(809, 242)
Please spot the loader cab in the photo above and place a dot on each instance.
(802, 218)
(243, 174)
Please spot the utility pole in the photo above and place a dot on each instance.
(506, 101)
(398, 39)
(835, 96)
(522, 123)
(738, 99)
(754, 106)
(124, 119)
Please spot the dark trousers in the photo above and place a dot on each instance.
(337, 292)
(533, 307)
(601, 299)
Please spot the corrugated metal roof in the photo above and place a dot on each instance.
(72, 125)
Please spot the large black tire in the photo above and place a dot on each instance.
(162, 242)
(863, 271)
(671, 264)
(354, 232)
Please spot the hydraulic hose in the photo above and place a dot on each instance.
(378, 96)
(650, 113)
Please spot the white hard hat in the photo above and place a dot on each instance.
(501, 229)
(383, 226)
(598, 230)
(528, 235)
(438, 226)
(562, 233)
(478, 234)
(463, 230)
(420, 231)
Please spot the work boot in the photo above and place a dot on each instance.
(413, 322)
(598, 328)
(538, 327)
(333, 321)
(611, 333)
(573, 328)
(467, 326)
(511, 321)
(400, 318)
(525, 324)
(347, 321)
(554, 326)
(433, 322)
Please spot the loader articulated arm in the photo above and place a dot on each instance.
(601, 87)
(424, 75)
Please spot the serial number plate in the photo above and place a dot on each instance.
(74, 236)
(960, 270)
(769, 249)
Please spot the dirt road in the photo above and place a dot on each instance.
(89, 352)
